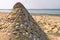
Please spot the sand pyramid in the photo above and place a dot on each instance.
(21, 25)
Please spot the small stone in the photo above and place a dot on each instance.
(15, 32)
(38, 38)
(31, 35)
(34, 38)
(23, 33)
(26, 32)
(17, 36)
(25, 23)
(17, 23)
(17, 26)
(21, 24)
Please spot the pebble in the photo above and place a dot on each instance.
(17, 27)
(26, 32)
(15, 32)
(17, 23)
(23, 33)
(21, 24)
(25, 23)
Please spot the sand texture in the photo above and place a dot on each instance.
(50, 25)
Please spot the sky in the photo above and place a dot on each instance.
(31, 4)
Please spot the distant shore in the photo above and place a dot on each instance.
(38, 11)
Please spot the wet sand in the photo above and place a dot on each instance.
(49, 24)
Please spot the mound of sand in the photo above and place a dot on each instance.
(19, 25)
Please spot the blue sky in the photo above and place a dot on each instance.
(31, 4)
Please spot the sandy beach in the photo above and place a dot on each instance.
(49, 24)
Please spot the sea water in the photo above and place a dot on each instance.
(44, 11)
(37, 11)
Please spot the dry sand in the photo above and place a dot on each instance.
(49, 24)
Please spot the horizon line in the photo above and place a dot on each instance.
(33, 9)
